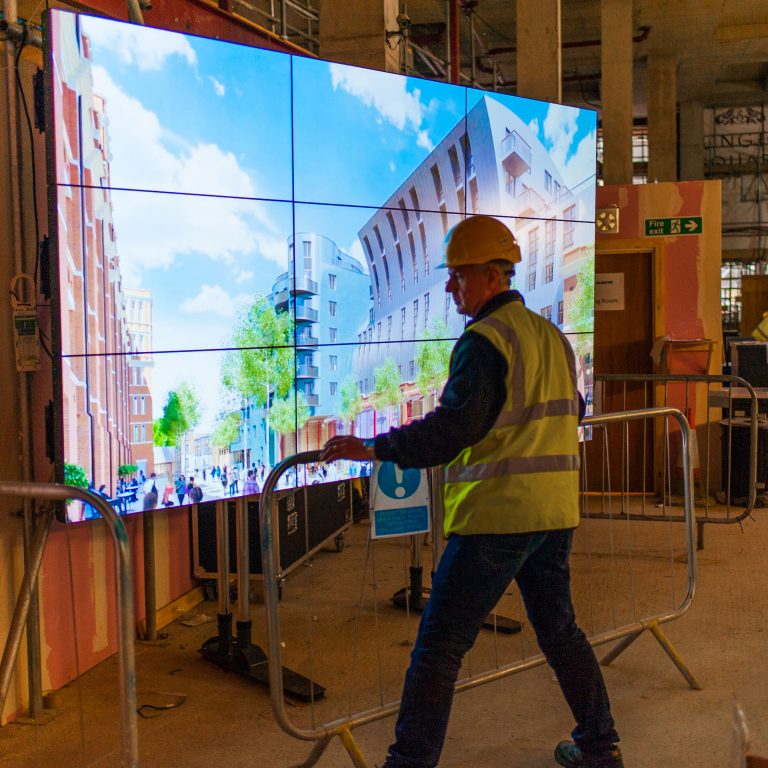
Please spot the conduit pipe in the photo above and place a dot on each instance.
(644, 32)
(134, 12)
(23, 393)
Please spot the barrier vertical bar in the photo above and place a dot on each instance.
(123, 587)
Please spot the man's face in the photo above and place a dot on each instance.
(471, 287)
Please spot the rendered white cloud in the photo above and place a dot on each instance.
(392, 166)
(560, 128)
(581, 165)
(217, 86)
(534, 126)
(423, 140)
(214, 300)
(387, 95)
(143, 47)
(154, 229)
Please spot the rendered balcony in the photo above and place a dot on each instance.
(281, 300)
(530, 202)
(304, 285)
(515, 154)
(307, 371)
(306, 340)
(307, 314)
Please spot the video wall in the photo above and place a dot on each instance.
(247, 246)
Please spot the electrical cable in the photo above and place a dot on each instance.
(493, 29)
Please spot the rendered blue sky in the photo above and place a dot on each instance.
(204, 117)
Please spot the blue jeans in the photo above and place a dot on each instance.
(473, 574)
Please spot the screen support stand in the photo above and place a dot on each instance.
(414, 597)
(241, 655)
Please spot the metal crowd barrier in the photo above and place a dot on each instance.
(714, 500)
(124, 590)
(322, 722)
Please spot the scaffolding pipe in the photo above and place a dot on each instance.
(23, 605)
(472, 57)
(134, 12)
(455, 36)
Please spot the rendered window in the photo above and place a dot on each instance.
(406, 218)
(569, 226)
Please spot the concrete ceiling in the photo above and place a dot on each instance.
(721, 46)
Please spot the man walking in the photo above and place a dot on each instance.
(506, 427)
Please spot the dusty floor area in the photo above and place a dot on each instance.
(341, 630)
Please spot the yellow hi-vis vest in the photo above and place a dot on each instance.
(523, 475)
(761, 329)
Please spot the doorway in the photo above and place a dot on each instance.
(624, 334)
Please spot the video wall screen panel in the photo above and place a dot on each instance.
(248, 241)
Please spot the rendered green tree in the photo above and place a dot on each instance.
(159, 436)
(226, 430)
(351, 402)
(580, 316)
(433, 356)
(386, 383)
(289, 415)
(262, 365)
(181, 413)
(75, 475)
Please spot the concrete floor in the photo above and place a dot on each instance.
(359, 646)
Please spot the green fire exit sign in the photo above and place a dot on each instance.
(683, 225)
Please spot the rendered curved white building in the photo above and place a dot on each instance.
(492, 163)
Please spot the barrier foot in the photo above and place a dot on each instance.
(655, 629)
(358, 759)
(671, 651)
(315, 754)
(615, 652)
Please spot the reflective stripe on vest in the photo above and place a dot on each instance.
(761, 331)
(516, 465)
(519, 414)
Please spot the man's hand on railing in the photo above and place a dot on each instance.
(347, 447)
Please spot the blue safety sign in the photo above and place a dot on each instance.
(399, 501)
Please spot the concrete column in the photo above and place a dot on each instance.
(353, 32)
(616, 90)
(539, 43)
(662, 118)
(691, 140)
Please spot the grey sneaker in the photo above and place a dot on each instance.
(571, 756)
